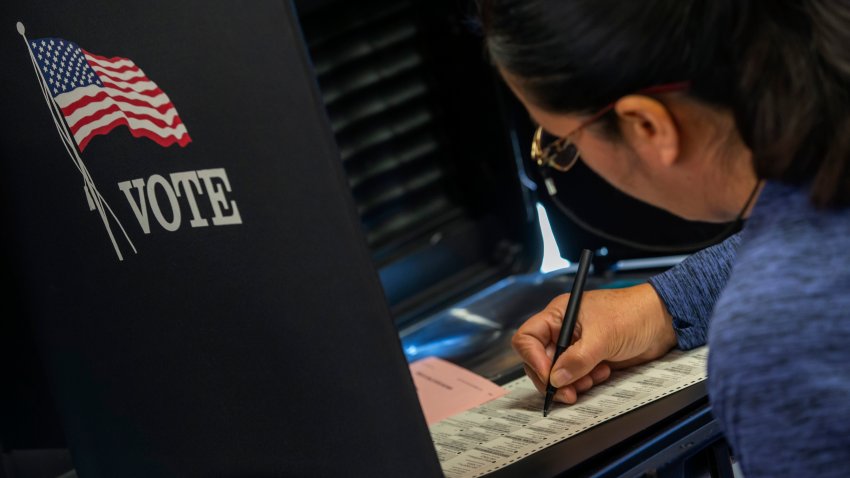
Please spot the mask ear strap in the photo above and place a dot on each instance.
(753, 194)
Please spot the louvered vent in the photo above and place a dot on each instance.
(372, 74)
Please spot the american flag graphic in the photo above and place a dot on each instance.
(97, 94)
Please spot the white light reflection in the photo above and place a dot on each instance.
(552, 259)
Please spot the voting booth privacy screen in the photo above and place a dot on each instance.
(186, 250)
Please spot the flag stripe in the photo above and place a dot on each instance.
(95, 117)
(66, 99)
(138, 133)
(147, 87)
(70, 105)
(167, 117)
(92, 129)
(125, 78)
(122, 76)
(115, 61)
(153, 100)
(129, 97)
(120, 69)
(182, 140)
(103, 129)
(72, 108)
(158, 121)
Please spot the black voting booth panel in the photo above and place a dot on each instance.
(238, 327)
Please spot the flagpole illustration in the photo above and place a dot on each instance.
(94, 198)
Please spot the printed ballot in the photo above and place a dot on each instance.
(446, 389)
(505, 430)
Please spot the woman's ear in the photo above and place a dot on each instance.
(648, 126)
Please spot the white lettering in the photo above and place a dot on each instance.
(139, 208)
(187, 180)
(218, 198)
(153, 182)
(188, 185)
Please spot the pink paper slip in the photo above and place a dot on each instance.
(446, 389)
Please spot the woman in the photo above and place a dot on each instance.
(713, 110)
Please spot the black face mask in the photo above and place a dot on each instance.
(733, 226)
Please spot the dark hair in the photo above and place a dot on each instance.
(781, 66)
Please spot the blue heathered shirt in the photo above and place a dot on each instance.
(777, 297)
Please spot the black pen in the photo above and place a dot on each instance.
(569, 323)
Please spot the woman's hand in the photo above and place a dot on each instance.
(616, 328)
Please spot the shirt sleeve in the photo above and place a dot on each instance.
(690, 289)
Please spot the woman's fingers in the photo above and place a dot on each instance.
(540, 386)
(600, 373)
(579, 360)
(567, 395)
(535, 343)
(533, 353)
(583, 384)
(615, 329)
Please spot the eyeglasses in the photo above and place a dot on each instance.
(561, 154)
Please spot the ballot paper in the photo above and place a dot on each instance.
(445, 389)
(508, 429)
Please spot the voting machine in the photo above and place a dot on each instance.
(230, 228)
